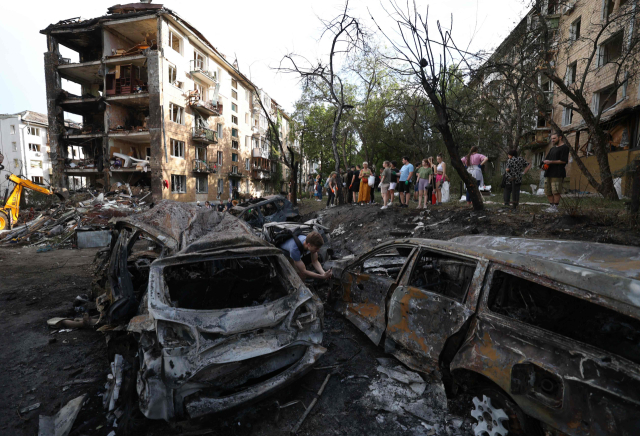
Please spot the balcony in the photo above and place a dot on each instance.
(207, 108)
(261, 174)
(197, 69)
(236, 174)
(205, 135)
(200, 166)
(260, 152)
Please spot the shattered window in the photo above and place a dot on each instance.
(387, 263)
(443, 275)
(226, 283)
(566, 315)
(268, 209)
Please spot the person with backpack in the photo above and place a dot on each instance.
(303, 250)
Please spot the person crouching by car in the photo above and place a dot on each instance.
(305, 252)
(515, 169)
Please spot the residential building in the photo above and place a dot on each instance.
(24, 145)
(572, 28)
(160, 105)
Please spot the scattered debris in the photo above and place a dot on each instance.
(29, 408)
(296, 427)
(60, 424)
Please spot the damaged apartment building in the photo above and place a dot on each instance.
(161, 107)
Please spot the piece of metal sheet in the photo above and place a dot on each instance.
(93, 238)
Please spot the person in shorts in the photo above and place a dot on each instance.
(404, 182)
(425, 176)
(385, 182)
(555, 171)
(394, 182)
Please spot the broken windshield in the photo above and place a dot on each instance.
(226, 283)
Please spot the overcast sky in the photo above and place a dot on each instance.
(257, 32)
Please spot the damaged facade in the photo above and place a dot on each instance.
(161, 107)
(542, 330)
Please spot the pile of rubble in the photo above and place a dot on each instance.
(80, 222)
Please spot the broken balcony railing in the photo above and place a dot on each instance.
(200, 166)
(207, 108)
(205, 135)
(198, 69)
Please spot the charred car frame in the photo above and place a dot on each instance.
(270, 209)
(218, 315)
(545, 333)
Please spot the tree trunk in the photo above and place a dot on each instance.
(336, 156)
(605, 188)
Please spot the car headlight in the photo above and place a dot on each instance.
(174, 335)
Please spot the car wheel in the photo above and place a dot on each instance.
(497, 415)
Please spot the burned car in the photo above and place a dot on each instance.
(221, 317)
(270, 209)
(545, 335)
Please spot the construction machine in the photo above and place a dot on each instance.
(11, 209)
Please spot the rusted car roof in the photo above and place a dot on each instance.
(605, 270)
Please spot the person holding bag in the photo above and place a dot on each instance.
(516, 167)
(364, 194)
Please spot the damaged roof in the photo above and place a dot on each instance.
(177, 225)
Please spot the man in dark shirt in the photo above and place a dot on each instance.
(348, 180)
(354, 186)
(555, 172)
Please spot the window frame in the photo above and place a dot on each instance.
(31, 129)
(358, 265)
(175, 35)
(34, 147)
(219, 157)
(234, 133)
(182, 184)
(12, 129)
(180, 146)
(575, 29)
(199, 180)
(234, 107)
(247, 164)
(234, 94)
(180, 114)
(234, 120)
(41, 182)
(567, 116)
(235, 157)
(235, 145)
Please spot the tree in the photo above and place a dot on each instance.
(347, 37)
(609, 52)
(438, 68)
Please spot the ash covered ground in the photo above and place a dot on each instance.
(368, 392)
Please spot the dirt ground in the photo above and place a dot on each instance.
(51, 368)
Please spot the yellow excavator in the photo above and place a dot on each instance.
(9, 212)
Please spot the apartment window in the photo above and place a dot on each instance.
(178, 184)
(220, 132)
(220, 156)
(175, 41)
(201, 154)
(202, 90)
(570, 78)
(234, 145)
(16, 163)
(575, 30)
(537, 159)
(177, 149)
(39, 180)
(247, 165)
(33, 131)
(547, 89)
(234, 83)
(34, 147)
(567, 116)
(14, 146)
(234, 169)
(604, 99)
(199, 60)
(608, 8)
(234, 157)
(234, 94)
(234, 107)
(234, 133)
(610, 50)
(36, 164)
(202, 184)
(13, 129)
(176, 113)
(234, 119)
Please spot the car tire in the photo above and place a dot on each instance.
(494, 413)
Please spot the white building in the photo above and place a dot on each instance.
(23, 142)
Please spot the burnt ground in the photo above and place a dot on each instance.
(51, 368)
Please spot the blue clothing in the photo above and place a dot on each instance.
(404, 172)
(292, 248)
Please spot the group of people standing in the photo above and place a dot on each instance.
(426, 179)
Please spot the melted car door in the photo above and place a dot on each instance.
(429, 307)
(366, 285)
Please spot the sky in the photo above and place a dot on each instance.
(257, 33)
